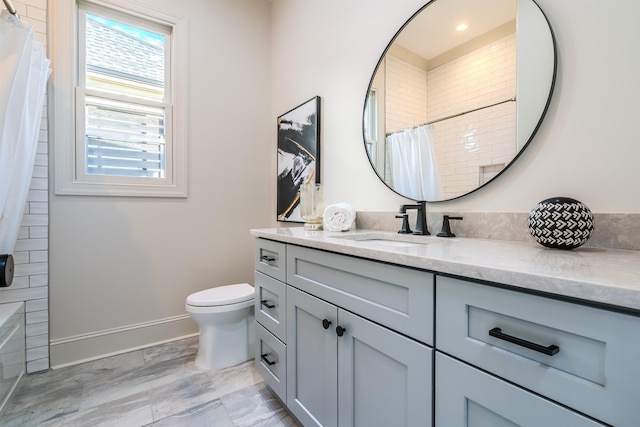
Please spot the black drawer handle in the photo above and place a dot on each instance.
(340, 330)
(550, 350)
(326, 323)
(263, 357)
(265, 302)
(268, 258)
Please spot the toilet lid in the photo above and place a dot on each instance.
(222, 295)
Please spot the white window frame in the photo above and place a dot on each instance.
(68, 106)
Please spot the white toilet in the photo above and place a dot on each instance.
(225, 316)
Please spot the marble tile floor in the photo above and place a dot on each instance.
(157, 386)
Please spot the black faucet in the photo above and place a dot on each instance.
(405, 221)
(446, 226)
(421, 219)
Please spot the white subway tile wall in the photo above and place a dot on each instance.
(471, 81)
(31, 278)
(406, 95)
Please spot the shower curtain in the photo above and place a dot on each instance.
(412, 163)
(24, 71)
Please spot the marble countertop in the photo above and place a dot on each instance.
(604, 276)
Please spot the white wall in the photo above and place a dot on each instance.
(121, 268)
(586, 148)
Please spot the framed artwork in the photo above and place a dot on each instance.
(298, 156)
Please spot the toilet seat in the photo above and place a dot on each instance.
(222, 295)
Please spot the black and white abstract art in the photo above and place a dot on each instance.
(298, 156)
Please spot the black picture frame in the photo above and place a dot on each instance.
(298, 156)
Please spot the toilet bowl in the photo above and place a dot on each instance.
(225, 317)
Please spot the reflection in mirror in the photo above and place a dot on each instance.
(457, 95)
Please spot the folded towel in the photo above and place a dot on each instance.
(338, 217)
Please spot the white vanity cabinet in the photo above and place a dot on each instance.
(581, 357)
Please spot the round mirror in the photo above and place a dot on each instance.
(457, 95)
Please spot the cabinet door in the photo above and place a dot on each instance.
(468, 397)
(312, 359)
(384, 378)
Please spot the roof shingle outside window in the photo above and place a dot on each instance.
(113, 52)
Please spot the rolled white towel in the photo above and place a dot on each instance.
(338, 217)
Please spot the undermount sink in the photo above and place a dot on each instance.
(389, 239)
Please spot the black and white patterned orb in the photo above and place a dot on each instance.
(561, 223)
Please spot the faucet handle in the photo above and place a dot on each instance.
(446, 226)
(405, 223)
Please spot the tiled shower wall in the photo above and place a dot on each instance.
(415, 95)
(31, 278)
(480, 78)
(406, 94)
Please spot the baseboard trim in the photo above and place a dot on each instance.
(83, 348)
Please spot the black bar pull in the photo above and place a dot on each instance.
(263, 357)
(326, 323)
(265, 302)
(340, 330)
(268, 258)
(550, 350)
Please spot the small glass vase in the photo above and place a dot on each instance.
(312, 205)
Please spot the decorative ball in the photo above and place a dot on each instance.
(561, 222)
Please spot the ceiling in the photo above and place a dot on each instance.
(432, 31)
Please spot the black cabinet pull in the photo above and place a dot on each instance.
(550, 350)
(326, 323)
(340, 330)
(265, 302)
(268, 258)
(263, 357)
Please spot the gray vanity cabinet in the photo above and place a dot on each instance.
(358, 342)
(583, 358)
(466, 396)
(358, 338)
(270, 310)
(344, 370)
(312, 362)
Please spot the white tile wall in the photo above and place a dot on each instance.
(464, 84)
(406, 95)
(31, 278)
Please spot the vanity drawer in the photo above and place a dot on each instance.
(466, 396)
(580, 356)
(271, 304)
(270, 258)
(399, 298)
(271, 361)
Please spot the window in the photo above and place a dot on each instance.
(129, 134)
(371, 124)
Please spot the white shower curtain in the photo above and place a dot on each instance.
(412, 163)
(24, 71)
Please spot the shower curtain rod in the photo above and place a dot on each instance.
(12, 10)
(456, 115)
